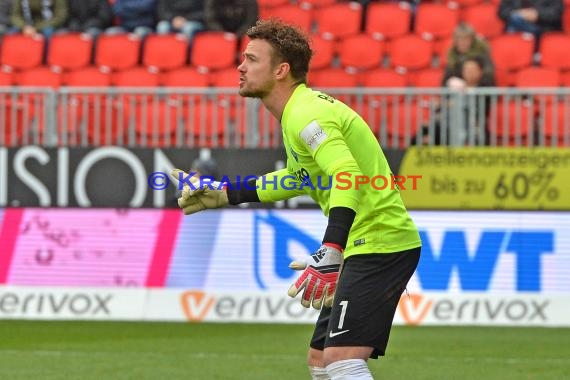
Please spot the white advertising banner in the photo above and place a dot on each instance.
(71, 303)
(182, 305)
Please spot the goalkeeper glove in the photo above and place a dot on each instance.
(319, 277)
(199, 196)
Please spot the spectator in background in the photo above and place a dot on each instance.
(89, 16)
(234, 16)
(181, 16)
(531, 16)
(32, 17)
(467, 45)
(475, 109)
(134, 16)
(5, 12)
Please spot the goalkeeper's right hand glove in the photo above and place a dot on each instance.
(319, 277)
(199, 196)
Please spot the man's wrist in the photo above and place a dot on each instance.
(335, 246)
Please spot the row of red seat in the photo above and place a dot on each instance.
(410, 59)
(392, 19)
(212, 122)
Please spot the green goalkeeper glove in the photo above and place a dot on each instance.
(199, 196)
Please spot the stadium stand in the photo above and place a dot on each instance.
(376, 55)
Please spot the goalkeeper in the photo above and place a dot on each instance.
(370, 234)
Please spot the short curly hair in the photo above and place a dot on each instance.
(289, 42)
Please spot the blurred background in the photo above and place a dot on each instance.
(98, 99)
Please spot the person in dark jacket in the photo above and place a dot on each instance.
(467, 45)
(89, 16)
(234, 16)
(32, 17)
(532, 16)
(180, 16)
(134, 16)
(5, 12)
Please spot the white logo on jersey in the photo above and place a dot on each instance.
(313, 135)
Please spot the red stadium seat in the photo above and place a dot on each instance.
(382, 78)
(411, 52)
(435, 21)
(185, 77)
(16, 118)
(551, 53)
(323, 48)
(214, 50)
(339, 20)
(70, 51)
(565, 79)
(361, 51)
(484, 19)
(385, 78)
(156, 123)
(512, 51)
(88, 77)
(207, 123)
(403, 122)
(6, 77)
(537, 77)
(555, 124)
(331, 78)
(22, 52)
(427, 78)
(317, 3)
(94, 111)
(165, 52)
(224, 78)
(136, 77)
(118, 52)
(291, 14)
(509, 122)
(388, 20)
(40, 77)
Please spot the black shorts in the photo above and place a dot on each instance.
(367, 294)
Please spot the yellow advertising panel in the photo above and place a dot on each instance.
(484, 178)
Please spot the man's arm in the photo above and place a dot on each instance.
(271, 187)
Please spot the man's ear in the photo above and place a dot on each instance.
(282, 70)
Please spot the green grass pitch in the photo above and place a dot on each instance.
(166, 351)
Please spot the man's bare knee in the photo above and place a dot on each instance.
(335, 354)
(315, 358)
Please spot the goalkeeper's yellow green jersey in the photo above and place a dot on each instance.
(328, 145)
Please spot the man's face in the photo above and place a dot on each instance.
(463, 43)
(256, 71)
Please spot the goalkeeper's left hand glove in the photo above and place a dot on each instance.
(319, 277)
(200, 196)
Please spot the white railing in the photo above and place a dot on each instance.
(211, 117)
